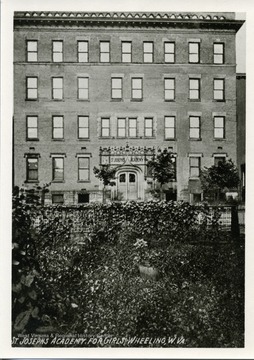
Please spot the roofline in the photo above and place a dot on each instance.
(170, 20)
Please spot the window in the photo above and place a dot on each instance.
(32, 50)
(126, 51)
(57, 51)
(148, 52)
(194, 127)
(58, 127)
(105, 127)
(32, 127)
(148, 127)
(218, 89)
(193, 52)
(58, 168)
(218, 53)
(83, 168)
(83, 127)
(31, 88)
(83, 198)
(136, 88)
(121, 127)
(194, 89)
(132, 124)
(57, 199)
(32, 169)
(169, 52)
(218, 159)
(127, 127)
(104, 51)
(83, 93)
(219, 127)
(169, 127)
(83, 51)
(57, 84)
(169, 88)
(194, 166)
(116, 88)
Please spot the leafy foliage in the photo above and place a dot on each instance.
(91, 284)
(163, 167)
(105, 174)
(218, 178)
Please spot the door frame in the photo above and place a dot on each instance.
(137, 171)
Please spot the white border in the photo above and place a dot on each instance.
(7, 9)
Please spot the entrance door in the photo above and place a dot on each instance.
(127, 186)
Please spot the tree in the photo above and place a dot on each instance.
(105, 174)
(163, 168)
(219, 178)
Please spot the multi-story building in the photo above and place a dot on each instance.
(241, 129)
(97, 88)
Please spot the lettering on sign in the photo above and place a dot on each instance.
(119, 159)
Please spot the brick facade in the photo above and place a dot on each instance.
(115, 29)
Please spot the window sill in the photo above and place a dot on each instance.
(83, 139)
(193, 139)
(169, 100)
(173, 139)
(31, 139)
(137, 100)
(194, 100)
(58, 100)
(194, 62)
(58, 181)
(214, 100)
(32, 182)
(84, 181)
(219, 139)
(116, 100)
(27, 99)
(57, 139)
(84, 100)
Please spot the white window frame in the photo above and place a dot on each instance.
(167, 128)
(31, 127)
(127, 55)
(83, 55)
(31, 55)
(83, 88)
(83, 128)
(148, 55)
(57, 55)
(104, 55)
(57, 89)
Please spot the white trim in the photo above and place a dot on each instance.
(195, 155)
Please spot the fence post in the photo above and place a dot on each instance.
(235, 230)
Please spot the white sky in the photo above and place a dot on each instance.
(241, 45)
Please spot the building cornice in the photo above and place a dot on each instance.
(129, 19)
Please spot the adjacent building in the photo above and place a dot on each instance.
(116, 88)
(241, 130)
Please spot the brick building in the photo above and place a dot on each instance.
(96, 88)
(241, 129)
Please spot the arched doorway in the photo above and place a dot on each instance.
(127, 184)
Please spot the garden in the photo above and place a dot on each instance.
(134, 274)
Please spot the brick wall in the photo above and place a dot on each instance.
(100, 103)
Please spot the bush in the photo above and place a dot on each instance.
(93, 286)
